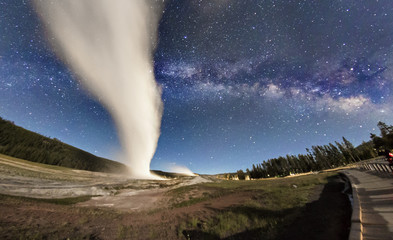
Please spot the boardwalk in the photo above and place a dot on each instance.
(372, 216)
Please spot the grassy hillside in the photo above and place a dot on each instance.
(21, 143)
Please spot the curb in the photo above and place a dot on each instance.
(356, 232)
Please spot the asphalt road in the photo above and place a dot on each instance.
(372, 216)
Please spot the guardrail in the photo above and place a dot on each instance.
(379, 165)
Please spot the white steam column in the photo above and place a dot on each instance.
(109, 45)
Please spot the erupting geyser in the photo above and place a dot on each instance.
(109, 45)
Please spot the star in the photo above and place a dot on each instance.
(241, 81)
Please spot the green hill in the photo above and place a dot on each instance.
(18, 142)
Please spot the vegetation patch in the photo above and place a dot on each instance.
(59, 201)
(273, 204)
(21, 143)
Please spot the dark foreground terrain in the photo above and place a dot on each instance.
(328, 217)
(303, 207)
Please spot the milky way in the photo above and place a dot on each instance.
(243, 81)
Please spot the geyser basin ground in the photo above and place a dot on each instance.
(29, 179)
(173, 209)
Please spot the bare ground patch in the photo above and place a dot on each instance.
(186, 208)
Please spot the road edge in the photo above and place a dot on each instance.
(356, 219)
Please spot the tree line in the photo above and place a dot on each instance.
(322, 157)
(384, 142)
(21, 143)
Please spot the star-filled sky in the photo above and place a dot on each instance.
(242, 81)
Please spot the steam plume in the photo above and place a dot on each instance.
(109, 45)
(181, 169)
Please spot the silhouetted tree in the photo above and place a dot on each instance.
(21, 143)
(321, 157)
(241, 175)
(385, 141)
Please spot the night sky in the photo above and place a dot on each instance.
(243, 81)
